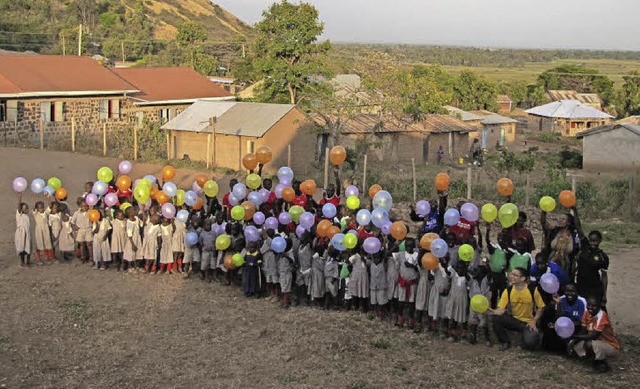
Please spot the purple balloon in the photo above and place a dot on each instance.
(354, 232)
(284, 218)
(278, 244)
(271, 223)
(255, 198)
(219, 229)
(351, 190)
(110, 199)
(439, 248)
(386, 227)
(147, 205)
(329, 210)
(258, 218)
(279, 189)
(423, 208)
(196, 188)
(100, 188)
(285, 173)
(371, 245)
(549, 283)
(20, 184)
(307, 220)
(91, 199)
(191, 238)
(190, 198)
(285, 182)
(168, 210)
(233, 200)
(564, 327)
(469, 212)
(125, 167)
(451, 217)
(252, 234)
(379, 216)
(300, 230)
(265, 194)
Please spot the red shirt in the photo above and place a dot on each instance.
(364, 234)
(600, 322)
(225, 200)
(271, 201)
(526, 235)
(462, 230)
(301, 201)
(335, 200)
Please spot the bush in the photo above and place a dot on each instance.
(570, 159)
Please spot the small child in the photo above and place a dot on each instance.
(331, 278)
(285, 270)
(318, 287)
(118, 237)
(438, 297)
(209, 255)
(359, 282)
(167, 229)
(479, 284)
(422, 297)
(133, 245)
(44, 247)
(497, 263)
(22, 236)
(520, 257)
(55, 225)
(303, 276)
(457, 307)
(251, 272)
(101, 249)
(378, 284)
(270, 265)
(152, 240)
(66, 244)
(392, 268)
(407, 281)
(82, 227)
(177, 245)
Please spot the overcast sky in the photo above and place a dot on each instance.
(591, 24)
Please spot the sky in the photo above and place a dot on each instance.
(578, 24)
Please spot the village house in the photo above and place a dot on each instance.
(612, 147)
(505, 104)
(493, 130)
(229, 84)
(566, 117)
(222, 132)
(590, 99)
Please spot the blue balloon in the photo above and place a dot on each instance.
(278, 244)
(285, 174)
(190, 198)
(271, 223)
(379, 216)
(259, 218)
(255, 198)
(451, 217)
(363, 217)
(182, 216)
(170, 189)
(307, 220)
(191, 238)
(151, 178)
(284, 218)
(329, 210)
(239, 191)
(439, 248)
(37, 185)
(338, 242)
(423, 208)
(100, 188)
(49, 190)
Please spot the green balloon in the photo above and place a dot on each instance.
(508, 215)
(223, 242)
(479, 303)
(105, 174)
(145, 182)
(353, 202)
(489, 212)
(237, 259)
(141, 194)
(211, 188)
(180, 197)
(350, 241)
(295, 213)
(547, 203)
(253, 181)
(237, 213)
(55, 183)
(466, 252)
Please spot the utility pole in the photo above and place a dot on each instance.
(80, 40)
(243, 52)
(122, 50)
(64, 45)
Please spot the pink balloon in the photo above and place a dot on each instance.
(168, 210)
(91, 199)
(110, 199)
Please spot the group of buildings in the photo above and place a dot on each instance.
(42, 95)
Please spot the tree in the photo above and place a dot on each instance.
(537, 94)
(580, 79)
(631, 93)
(189, 35)
(472, 91)
(287, 48)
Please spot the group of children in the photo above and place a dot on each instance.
(391, 284)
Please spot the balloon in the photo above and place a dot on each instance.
(386, 227)
(201, 179)
(508, 215)
(151, 178)
(110, 199)
(337, 155)
(20, 184)
(94, 215)
(100, 188)
(350, 240)
(49, 190)
(278, 191)
(233, 200)
(191, 239)
(105, 174)
(429, 261)
(371, 245)
(145, 182)
(56, 184)
(170, 189)
(363, 217)
(250, 161)
(505, 187)
(238, 260)
(210, 188)
(353, 202)
(168, 172)
(451, 217)
(284, 218)
(308, 187)
(547, 203)
(237, 213)
(180, 197)
(423, 208)
(564, 327)
(332, 231)
(123, 183)
(549, 283)
(351, 190)
(466, 252)
(239, 191)
(285, 173)
(153, 191)
(329, 210)
(323, 228)
(251, 234)
(91, 199)
(264, 155)
(264, 194)
(223, 242)
(255, 198)
(258, 218)
(162, 198)
(442, 181)
(37, 185)
(375, 188)
(125, 167)
(197, 188)
(295, 212)
(228, 262)
(125, 206)
(288, 194)
(182, 216)
(307, 220)
(567, 198)
(379, 216)
(271, 223)
(249, 210)
(398, 230)
(354, 232)
(278, 244)
(168, 210)
(439, 248)
(337, 241)
(253, 181)
(479, 303)
(61, 193)
(427, 239)
(300, 230)
(383, 199)
(190, 198)
(469, 212)
(489, 213)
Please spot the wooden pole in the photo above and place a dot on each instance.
(122, 50)
(289, 155)
(208, 149)
(73, 135)
(326, 167)
(633, 208)
(527, 184)
(41, 133)
(240, 153)
(415, 184)
(64, 45)
(364, 174)
(104, 139)
(135, 142)
(168, 146)
(573, 184)
(468, 182)
(80, 40)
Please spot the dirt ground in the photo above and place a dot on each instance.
(65, 325)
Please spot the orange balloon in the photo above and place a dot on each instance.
(288, 194)
(198, 205)
(162, 197)
(505, 187)
(228, 262)
(168, 172)
(398, 230)
(442, 181)
(250, 161)
(429, 261)
(309, 187)
(94, 215)
(123, 183)
(154, 192)
(249, 209)
(201, 179)
(332, 231)
(323, 228)
(61, 194)
(338, 155)
(567, 198)
(375, 188)
(264, 154)
(426, 239)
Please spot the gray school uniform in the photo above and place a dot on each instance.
(192, 253)
(457, 307)
(484, 288)
(208, 256)
(453, 256)
(407, 293)
(423, 289)
(285, 268)
(317, 287)
(359, 279)
(392, 277)
(378, 283)
(437, 302)
(305, 253)
(331, 276)
(269, 262)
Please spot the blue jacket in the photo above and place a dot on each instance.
(552, 268)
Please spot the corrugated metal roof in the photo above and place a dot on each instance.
(568, 109)
(232, 118)
(445, 123)
(587, 98)
(493, 118)
(609, 127)
(373, 124)
(504, 99)
(464, 115)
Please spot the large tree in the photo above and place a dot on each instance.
(631, 93)
(580, 79)
(472, 91)
(287, 49)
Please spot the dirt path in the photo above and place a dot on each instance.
(66, 325)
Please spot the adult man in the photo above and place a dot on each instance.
(522, 300)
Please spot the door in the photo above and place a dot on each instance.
(425, 149)
(484, 138)
(502, 137)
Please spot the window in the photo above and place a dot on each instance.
(109, 109)
(114, 109)
(12, 110)
(45, 111)
(3, 110)
(250, 147)
(57, 111)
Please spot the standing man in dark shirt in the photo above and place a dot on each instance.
(520, 231)
(593, 263)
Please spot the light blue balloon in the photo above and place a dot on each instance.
(49, 190)
(170, 189)
(439, 248)
(190, 198)
(285, 174)
(379, 216)
(182, 216)
(329, 210)
(338, 242)
(278, 244)
(256, 198)
(191, 239)
(100, 188)
(151, 178)
(37, 185)
(239, 191)
(383, 199)
(451, 217)
(363, 217)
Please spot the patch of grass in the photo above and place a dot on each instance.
(400, 366)
(359, 385)
(381, 344)
(78, 310)
(290, 379)
(615, 235)
(4, 339)
(630, 342)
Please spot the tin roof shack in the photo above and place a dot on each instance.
(566, 117)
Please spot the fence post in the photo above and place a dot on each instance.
(208, 149)
(632, 198)
(289, 155)
(326, 167)
(104, 139)
(41, 134)
(573, 184)
(468, 182)
(526, 190)
(415, 186)
(73, 135)
(364, 174)
(135, 142)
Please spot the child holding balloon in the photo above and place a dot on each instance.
(282, 247)
(42, 233)
(479, 285)
(167, 229)
(407, 281)
(82, 227)
(152, 240)
(133, 245)
(55, 225)
(177, 245)
(457, 308)
(101, 249)
(66, 244)
(22, 236)
(118, 237)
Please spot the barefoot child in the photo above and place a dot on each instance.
(118, 237)
(66, 244)
(44, 248)
(251, 277)
(457, 307)
(152, 240)
(479, 284)
(82, 227)
(166, 252)
(101, 249)
(133, 244)
(22, 235)
(177, 245)
(55, 225)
